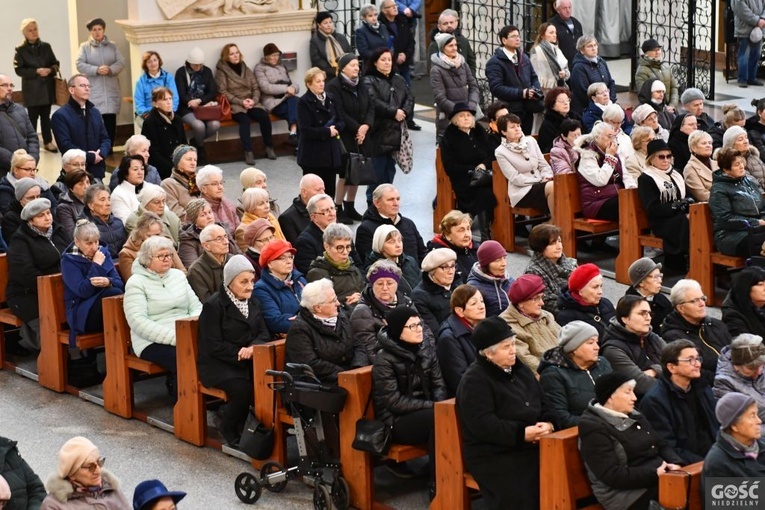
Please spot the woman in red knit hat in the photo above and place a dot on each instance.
(583, 299)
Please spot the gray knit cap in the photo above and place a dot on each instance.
(34, 208)
(23, 185)
(691, 94)
(193, 208)
(574, 334)
(730, 407)
(235, 265)
(180, 151)
(442, 39)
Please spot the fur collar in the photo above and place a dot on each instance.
(62, 489)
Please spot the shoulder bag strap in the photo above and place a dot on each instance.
(15, 124)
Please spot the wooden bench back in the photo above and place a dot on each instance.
(50, 291)
(269, 356)
(3, 277)
(452, 480)
(116, 329)
(568, 207)
(635, 233)
(564, 478)
(673, 488)
(445, 199)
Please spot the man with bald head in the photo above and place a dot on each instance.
(16, 130)
(296, 218)
(569, 28)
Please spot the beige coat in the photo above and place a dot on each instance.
(177, 193)
(237, 87)
(532, 337)
(635, 164)
(522, 170)
(273, 82)
(698, 178)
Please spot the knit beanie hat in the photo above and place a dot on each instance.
(640, 269)
(641, 113)
(442, 39)
(23, 185)
(525, 287)
(658, 85)
(256, 229)
(381, 234)
(607, 384)
(730, 407)
(397, 319)
(73, 455)
(150, 192)
(488, 252)
(196, 56)
(235, 265)
(491, 331)
(747, 348)
(345, 60)
(574, 334)
(437, 258)
(193, 208)
(180, 151)
(581, 276)
(34, 208)
(691, 94)
(730, 135)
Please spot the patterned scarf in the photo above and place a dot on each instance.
(330, 322)
(521, 147)
(334, 50)
(242, 305)
(47, 234)
(668, 183)
(548, 50)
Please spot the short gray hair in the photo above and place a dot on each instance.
(151, 246)
(584, 41)
(366, 9)
(132, 144)
(206, 235)
(601, 128)
(312, 206)
(335, 232)
(85, 230)
(595, 87)
(313, 293)
(613, 112)
(206, 173)
(382, 188)
(71, 154)
(697, 137)
(92, 191)
(251, 197)
(680, 290)
(384, 265)
(448, 12)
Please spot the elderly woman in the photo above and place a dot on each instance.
(466, 154)
(683, 125)
(489, 276)
(456, 233)
(149, 225)
(652, 92)
(257, 234)
(196, 88)
(206, 273)
(153, 77)
(388, 244)
(744, 306)
(371, 34)
(163, 129)
(503, 416)
(256, 205)
(646, 277)
(24, 165)
(153, 199)
(732, 116)
(337, 265)
(255, 178)
(583, 299)
(557, 110)
(529, 176)
(199, 215)
(568, 372)
(631, 346)
(535, 328)
(629, 480)
(280, 287)
(130, 175)
(71, 202)
(407, 381)
(454, 347)
(137, 145)
(587, 68)
(700, 168)
(563, 156)
(740, 431)
(737, 207)
(548, 59)
(26, 190)
(71, 160)
(640, 137)
(231, 322)
(431, 296)
(644, 115)
(155, 297)
(320, 148)
(235, 81)
(650, 65)
(277, 92)
(35, 250)
(98, 209)
(598, 102)
(740, 370)
(321, 335)
(601, 173)
(181, 187)
(81, 481)
(549, 263)
(327, 45)
(210, 182)
(736, 138)
(614, 115)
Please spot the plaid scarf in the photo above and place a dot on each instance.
(242, 305)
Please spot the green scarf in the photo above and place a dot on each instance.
(345, 266)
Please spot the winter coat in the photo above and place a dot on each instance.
(13, 138)
(432, 301)
(410, 270)
(747, 13)
(736, 205)
(309, 245)
(688, 427)
(547, 80)
(451, 85)
(633, 165)
(124, 200)
(592, 114)
(8, 193)
(630, 354)
(455, 351)
(554, 275)
(741, 316)
(402, 40)
(563, 156)
(698, 178)
(507, 80)
(11, 221)
(413, 245)
(129, 253)
(549, 131)
(62, 496)
(570, 310)
(568, 388)
(755, 168)
(756, 131)
(165, 137)
(493, 289)
(461, 153)
(466, 257)
(368, 317)
(318, 51)
(68, 211)
(728, 380)
(368, 40)
(584, 73)
(665, 117)
(725, 460)
(27, 490)
(87, 132)
(177, 190)
(388, 94)
(678, 144)
(494, 408)
(273, 82)
(113, 234)
(206, 275)
(600, 177)
(566, 37)
(104, 90)
(463, 47)
(522, 170)
(666, 219)
(154, 302)
(190, 247)
(621, 455)
(652, 68)
(294, 220)
(355, 109)
(237, 86)
(533, 337)
(660, 307)
(31, 255)
(279, 301)
(710, 337)
(146, 85)
(328, 351)
(223, 331)
(316, 145)
(182, 82)
(29, 57)
(346, 282)
(80, 296)
(404, 382)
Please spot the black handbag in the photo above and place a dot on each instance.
(361, 171)
(481, 178)
(257, 440)
(372, 436)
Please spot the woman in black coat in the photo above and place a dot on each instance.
(503, 417)
(646, 278)
(358, 116)
(164, 129)
(683, 125)
(325, 36)
(557, 109)
(27, 489)
(583, 300)
(320, 125)
(196, 87)
(743, 310)
(230, 324)
(37, 65)
(454, 348)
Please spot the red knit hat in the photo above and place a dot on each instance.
(581, 276)
(274, 250)
(525, 287)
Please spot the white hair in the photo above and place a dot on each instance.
(680, 290)
(252, 197)
(313, 293)
(206, 173)
(132, 143)
(207, 233)
(71, 154)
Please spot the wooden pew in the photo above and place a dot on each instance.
(121, 363)
(189, 413)
(568, 214)
(634, 233)
(446, 200)
(703, 255)
(54, 335)
(270, 356)
(673, 488)
(6, 316)
(452, 479)
(358, 466)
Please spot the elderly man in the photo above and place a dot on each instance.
(206, 273)
(749, 22)
(448, 22)
(296, 218)
(587, 68)
(569, 28)
(16, 130)
(692, 100)
(309, 244)
(681, 405)
(386, 202)
(403, 40)
(78, 125)
(739, 370)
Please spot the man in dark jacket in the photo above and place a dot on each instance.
(386, 201)
(512, 79)
(296, 218)
(588, 68)
(27, 490)
(16, 130)
(448, 22)
(681, 405)
(568, 27)
(309, 244)
(78, 125)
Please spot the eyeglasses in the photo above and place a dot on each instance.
(94, 465)
(564, 100)
(266, 239)
(414, 327)
(691, 360)
(217, 184)
(448, 267)
(657, 276)
(342, 248)
(220, 239)
(285, 257)
(646, 314)
(695, 301)
(326, 211)
(663, 156)
(164, 256)
(33, 170)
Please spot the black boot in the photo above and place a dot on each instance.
(341, 216)
(484, 225)
(201, 155)
(350, 211)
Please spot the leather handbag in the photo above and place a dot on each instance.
(257, 440)
(62, 90)
(361, 171)
(481, 178)
(372, 436)
(209, 112)
(225, 107)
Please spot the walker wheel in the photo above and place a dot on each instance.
(267, 469)
(341, 494)
(247, 488)
(322, 499)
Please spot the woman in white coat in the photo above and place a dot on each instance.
(130, 176)
(548, 60)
